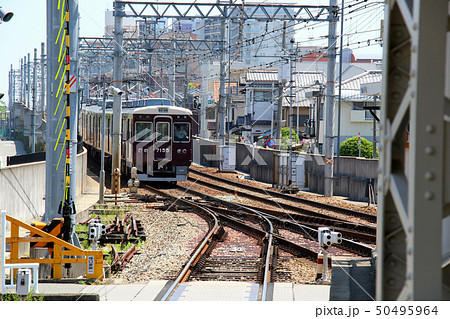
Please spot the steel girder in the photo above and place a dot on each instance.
(151, 44)
(414, 182)
(261, 12)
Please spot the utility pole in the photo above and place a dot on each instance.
(24, 80)
(329, 118)
(102, 157)
(42, 102)
(220, 126)
(28, 80)
(280, 95)
(74, 32)
(119, 11)
(172, 78)
(33, 117)
(291, 69)
(340, 93)
(21, 80)
(374, 144)
(186, 83)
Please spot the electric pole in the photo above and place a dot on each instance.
(280, 95)
(119, 11)
(222, 97)
(33, 117)
(42, 102)
(329, 116)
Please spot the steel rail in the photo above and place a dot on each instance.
(200, 248)
(351, 245)
(300, 212)
(269, 236)
(368, 217)
(347, 244)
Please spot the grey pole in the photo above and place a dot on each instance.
(172, 78)
(28, 80)
(222, 97)
(102, 157)
(42, 101)
(74, 31)
(54, 188)
(280, 96)
(24, 80)
(338, 170)
(119, 11)
(13, 87)
(33, 117)
(290, 119)
(374, 149)
(329, 119)
(21, 80)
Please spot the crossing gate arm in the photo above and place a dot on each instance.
(61, 250)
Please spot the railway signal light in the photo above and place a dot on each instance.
(92, 232)
(327, 237)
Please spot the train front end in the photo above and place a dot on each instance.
(162, 143)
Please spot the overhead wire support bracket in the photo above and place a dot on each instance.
(260, 12)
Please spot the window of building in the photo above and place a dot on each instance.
(262, 96)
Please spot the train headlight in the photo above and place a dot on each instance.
(184, 151)
(179, 150)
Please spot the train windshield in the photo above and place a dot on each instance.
(181, 132)
(162, 132)
(157, 102)
(144, 131)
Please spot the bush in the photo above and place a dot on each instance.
(285, 138)
(350, 147)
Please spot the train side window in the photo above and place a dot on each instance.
(124, 129)
(162, 132)
(144, 131)
(129, 129)
(181, 132)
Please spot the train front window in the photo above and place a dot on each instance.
(162, 132)
(144, 131)
(181, 132)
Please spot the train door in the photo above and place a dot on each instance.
(163, 141)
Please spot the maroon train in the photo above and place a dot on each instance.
(156, 139)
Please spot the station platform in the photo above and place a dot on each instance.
(191, 291)
(352, 279)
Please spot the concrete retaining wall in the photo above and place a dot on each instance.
(259, 163)
(352, 182)
(22, 188)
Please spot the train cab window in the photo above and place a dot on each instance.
(181, 132)
(144, 131)
(162, 132)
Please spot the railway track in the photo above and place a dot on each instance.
(310, 233)
(268, 196)
(249, 243)
(365, 233)
(205, 265)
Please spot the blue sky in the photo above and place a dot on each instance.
(27, 29)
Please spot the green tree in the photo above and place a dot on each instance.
(285, 138)
(350, 147)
